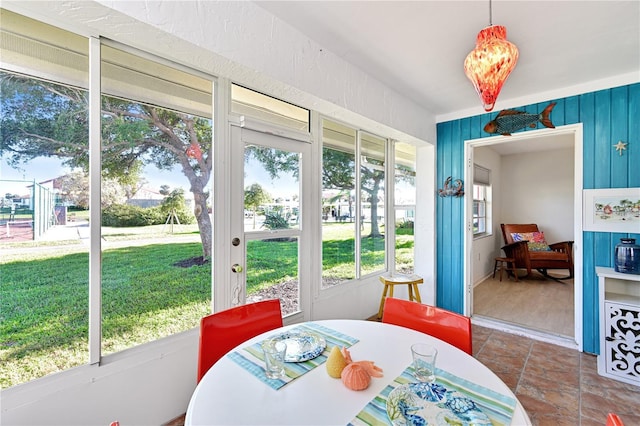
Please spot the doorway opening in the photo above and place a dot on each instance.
(535, 177)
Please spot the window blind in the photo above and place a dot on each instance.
(481, 176)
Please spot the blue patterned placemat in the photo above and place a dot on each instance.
(499, 408)
(251, 358)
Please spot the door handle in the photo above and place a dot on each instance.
(237, 268)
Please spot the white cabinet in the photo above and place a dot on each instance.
(619, 325)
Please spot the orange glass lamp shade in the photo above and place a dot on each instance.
(490, 63)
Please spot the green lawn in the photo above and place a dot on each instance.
(44, 294)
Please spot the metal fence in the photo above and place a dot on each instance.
(27, 218)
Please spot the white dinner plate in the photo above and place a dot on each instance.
(301, 345)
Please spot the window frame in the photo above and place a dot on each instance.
(221, 91)
(385, 209)
(482, 199)
(395, 161)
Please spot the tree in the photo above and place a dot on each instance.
(254, 196)
(165, 190)
(338, 172)
(74, 190)
(132, 181)
(45, 119)
(111, 193)
(173, 205)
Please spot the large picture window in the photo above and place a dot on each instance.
(154, 204)
(44, 289)
(338, 203)
(156, 226)
(404, 206)
(372, 203)
(106, 210)
(353, 203)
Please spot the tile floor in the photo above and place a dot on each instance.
(556, 385)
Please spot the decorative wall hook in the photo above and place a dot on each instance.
(620, 146)
(449, 190)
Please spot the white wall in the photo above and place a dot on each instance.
(487, 247)
(141, 386)
(538, 188)
(240, 41)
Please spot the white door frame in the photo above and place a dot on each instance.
(469, 145)
(231, 291)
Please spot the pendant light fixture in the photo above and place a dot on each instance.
(491, 62)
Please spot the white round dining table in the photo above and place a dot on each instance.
(230, 395)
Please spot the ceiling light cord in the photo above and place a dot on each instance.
(490, 15)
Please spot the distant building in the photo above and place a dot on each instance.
(145, 198)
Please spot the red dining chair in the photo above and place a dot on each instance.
(222, 331)
(445, 325)
(614, 420)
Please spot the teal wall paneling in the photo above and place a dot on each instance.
(607, 116)
(603, 143)
(587, 117)
(619, 128)
(633, 150)
(571, 109)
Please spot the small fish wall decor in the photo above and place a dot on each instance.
(508, 121)
(452, 188)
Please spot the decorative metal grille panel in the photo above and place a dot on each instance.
(622, 325)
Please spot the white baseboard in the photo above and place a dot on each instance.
(542, 336)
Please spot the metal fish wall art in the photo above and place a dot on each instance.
(509, 121)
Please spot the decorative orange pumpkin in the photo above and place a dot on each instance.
(355, 377)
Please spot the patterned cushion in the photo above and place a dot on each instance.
(535, 240)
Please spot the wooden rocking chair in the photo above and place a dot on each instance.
(525, 244)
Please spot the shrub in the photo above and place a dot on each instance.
(126, 215)
(123, 215)
(404, 228)
(276, 220)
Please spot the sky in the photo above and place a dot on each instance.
(42, 169)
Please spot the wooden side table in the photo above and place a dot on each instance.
(505, 264)
(411, 281)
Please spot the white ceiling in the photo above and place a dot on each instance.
(418, 47)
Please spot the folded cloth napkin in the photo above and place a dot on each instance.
(251, 358)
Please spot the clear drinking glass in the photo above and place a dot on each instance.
(424, 362)
(274, 352)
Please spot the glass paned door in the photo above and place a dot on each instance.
(268, 220)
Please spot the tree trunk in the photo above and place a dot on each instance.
(375, 229)
(204, 221)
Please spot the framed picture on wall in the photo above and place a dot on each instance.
(611, 210)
